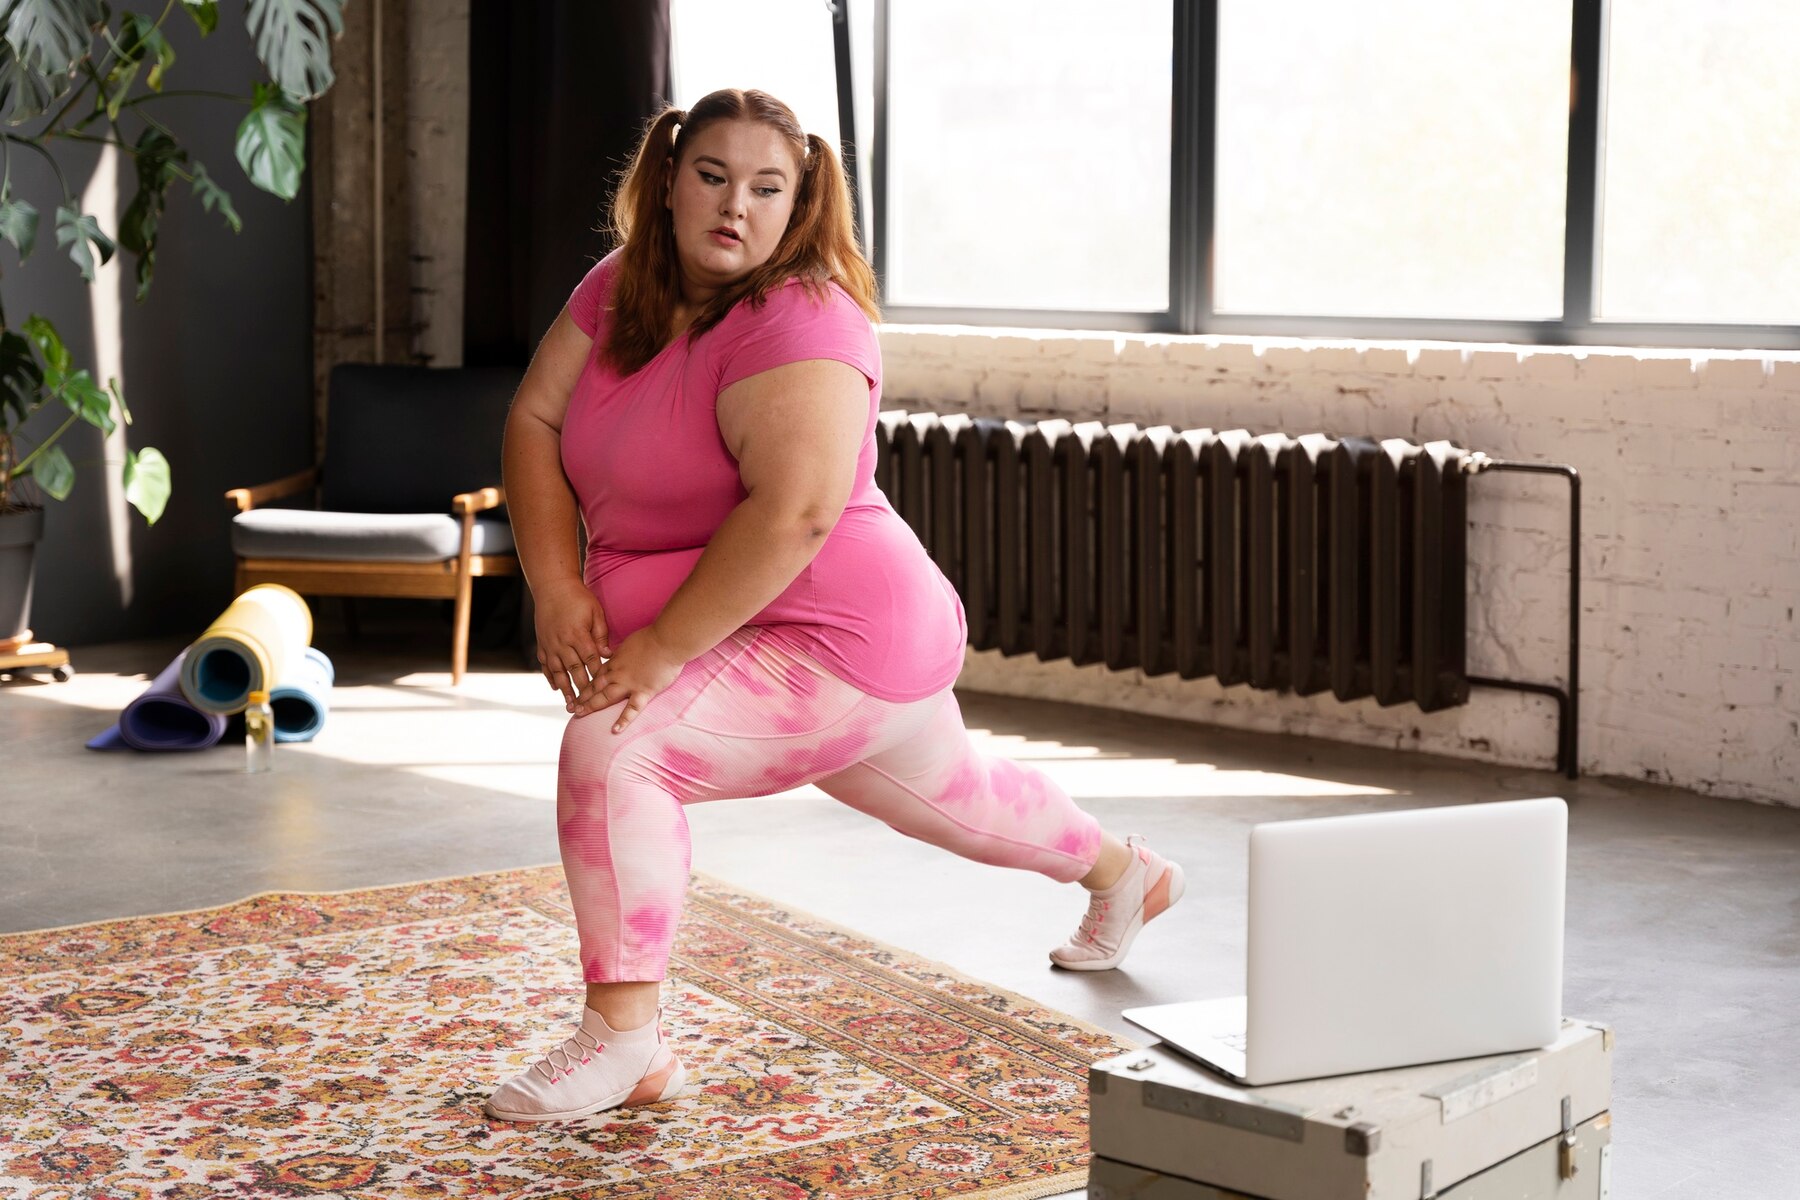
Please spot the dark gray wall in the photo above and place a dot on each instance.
(217, 362)
(559, 92)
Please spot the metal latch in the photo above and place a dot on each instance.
(1566, 1147)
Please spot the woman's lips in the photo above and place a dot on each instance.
(724, 239)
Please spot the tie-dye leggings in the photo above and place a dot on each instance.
(754, 716)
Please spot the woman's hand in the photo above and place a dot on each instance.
(571, 637)
(642, 667)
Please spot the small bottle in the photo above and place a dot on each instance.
(259, 733)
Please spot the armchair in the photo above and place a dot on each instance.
(407, 494)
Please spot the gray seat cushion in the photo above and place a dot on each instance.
(362, 537)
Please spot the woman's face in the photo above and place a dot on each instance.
(735, 175)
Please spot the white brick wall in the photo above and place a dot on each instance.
(1690, 469)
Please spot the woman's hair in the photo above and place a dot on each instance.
(818, 246)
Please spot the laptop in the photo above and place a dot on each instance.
(1387, 940)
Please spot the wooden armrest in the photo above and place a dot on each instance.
(481, 501)
(466, 506)
(248, 498)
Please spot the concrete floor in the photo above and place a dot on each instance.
(1683, 912)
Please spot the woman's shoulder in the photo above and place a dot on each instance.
(606, 272)
(797, 320)
(798, 300)
(592, 300)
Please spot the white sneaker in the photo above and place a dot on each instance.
(596, 1069)
(1150, 885)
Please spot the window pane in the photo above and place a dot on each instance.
(1392, 158)
(782, 47)
(1701, 209)
(1028, 157)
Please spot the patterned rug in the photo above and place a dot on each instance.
(341, 1044)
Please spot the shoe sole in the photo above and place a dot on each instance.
(1177, 885)
(651, 1089)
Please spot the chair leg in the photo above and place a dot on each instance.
(459, 646)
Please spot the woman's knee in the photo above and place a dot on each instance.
(589, 747)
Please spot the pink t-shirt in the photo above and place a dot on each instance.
(655, 481)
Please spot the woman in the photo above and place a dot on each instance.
(753, 615)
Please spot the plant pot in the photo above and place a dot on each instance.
(20, 532)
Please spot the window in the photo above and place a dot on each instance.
(1700, 219)
(1397, 159)
(1614, 171)
(1028, 154)
(782, 47)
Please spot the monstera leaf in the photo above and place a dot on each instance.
(205, 14)
(54, 472)
(293, 39)
(76, 389)
(213, 196)
(157, 160)
(48, 36)
(147, 482)
(21, 379)
(75, 230)
(25, 93)
(271, 142)
(18, 225)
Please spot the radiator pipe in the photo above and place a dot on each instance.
(1567, 713)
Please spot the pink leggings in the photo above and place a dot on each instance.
(754, 716)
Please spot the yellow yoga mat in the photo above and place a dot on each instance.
(247, 649)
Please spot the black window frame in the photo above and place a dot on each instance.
(1192, 189)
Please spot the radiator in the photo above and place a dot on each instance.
(1307, 563)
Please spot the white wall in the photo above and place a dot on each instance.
(1690, 468)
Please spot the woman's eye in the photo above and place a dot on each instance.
(769, 191)
(711, 178)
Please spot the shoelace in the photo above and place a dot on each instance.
(549, 1066)
(1097, 908)
(1096, 916)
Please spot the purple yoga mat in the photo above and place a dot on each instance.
(162, 719)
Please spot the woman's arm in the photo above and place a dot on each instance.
(796, 431)
(571, 630)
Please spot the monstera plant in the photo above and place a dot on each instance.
(83, 72)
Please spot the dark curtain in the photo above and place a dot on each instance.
(559, 91)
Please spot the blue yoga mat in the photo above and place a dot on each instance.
(250, 647)
(302, 697)
(162, 719)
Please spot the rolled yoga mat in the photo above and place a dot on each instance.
(248, 648)
(303, 697)
(162, 719)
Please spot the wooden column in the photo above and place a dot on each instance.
(361, 200)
